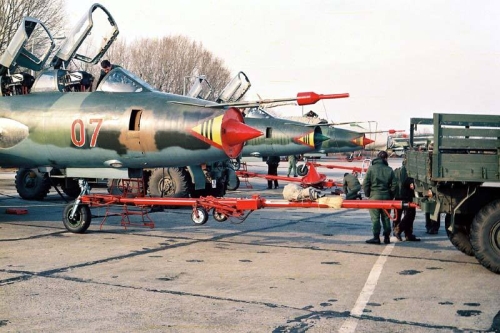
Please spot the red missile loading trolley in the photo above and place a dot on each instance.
(312, 178)
(77, 216)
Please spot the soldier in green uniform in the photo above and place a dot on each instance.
(292, 165)
(351, 186)
(380, 184)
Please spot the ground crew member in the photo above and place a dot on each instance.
(400, 175)
(351, 186)
(292, 165)
(406, 225)
(379, 184)
(272, 170)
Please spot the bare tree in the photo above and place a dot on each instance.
(164, 63)
(50, 12)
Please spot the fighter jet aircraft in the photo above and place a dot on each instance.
(323, 138)
(114, 132)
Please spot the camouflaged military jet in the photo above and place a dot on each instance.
(282, 136)
(113, 132)
(62, 127)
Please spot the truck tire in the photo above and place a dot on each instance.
(32, 184)
(169, 183)
(116, 187)
(71, 188)
(460, 238)
(485, 236)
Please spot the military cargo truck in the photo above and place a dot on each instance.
(457, 175)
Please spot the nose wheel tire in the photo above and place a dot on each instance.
(302, 170)
(80, 222)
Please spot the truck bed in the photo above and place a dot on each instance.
(465, 148)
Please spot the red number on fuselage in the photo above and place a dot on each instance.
(78, 125)
(81, 141)
(96, 131)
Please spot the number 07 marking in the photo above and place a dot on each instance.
(78, 132)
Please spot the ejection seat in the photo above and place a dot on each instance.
(77, 81)
(63, 80)
(16, 84)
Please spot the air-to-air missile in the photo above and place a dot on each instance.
(114, 132)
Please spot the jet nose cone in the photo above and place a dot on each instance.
(319, 137)
(312, 139)
(226, 132)
(361, 141)
(235, 132)
(367, 141)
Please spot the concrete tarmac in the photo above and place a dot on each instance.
(281, 270)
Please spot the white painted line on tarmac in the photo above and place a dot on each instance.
(350, 324)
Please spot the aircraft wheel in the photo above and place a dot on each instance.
(116, 187)
(235, 186)
(200, 216)
(71, 188)
(219, 217)
(302, 170)
(485, 236)
(236, 163)
(32, 184)
(460, 238)
(169, 182)
(80, 222)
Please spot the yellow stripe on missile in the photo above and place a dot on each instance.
(211, 130)
(308, 139)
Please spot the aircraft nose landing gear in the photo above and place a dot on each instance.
(76, 216)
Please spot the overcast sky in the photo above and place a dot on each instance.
(397, 59)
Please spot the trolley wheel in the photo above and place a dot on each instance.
(219, 217)
(80, 222)
(302, 170)
(199, 216)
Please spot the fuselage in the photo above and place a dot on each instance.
(341, 140)
(282, 137)
(90, 130)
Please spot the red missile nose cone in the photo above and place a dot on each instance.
(307, 98)
(234, 133)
